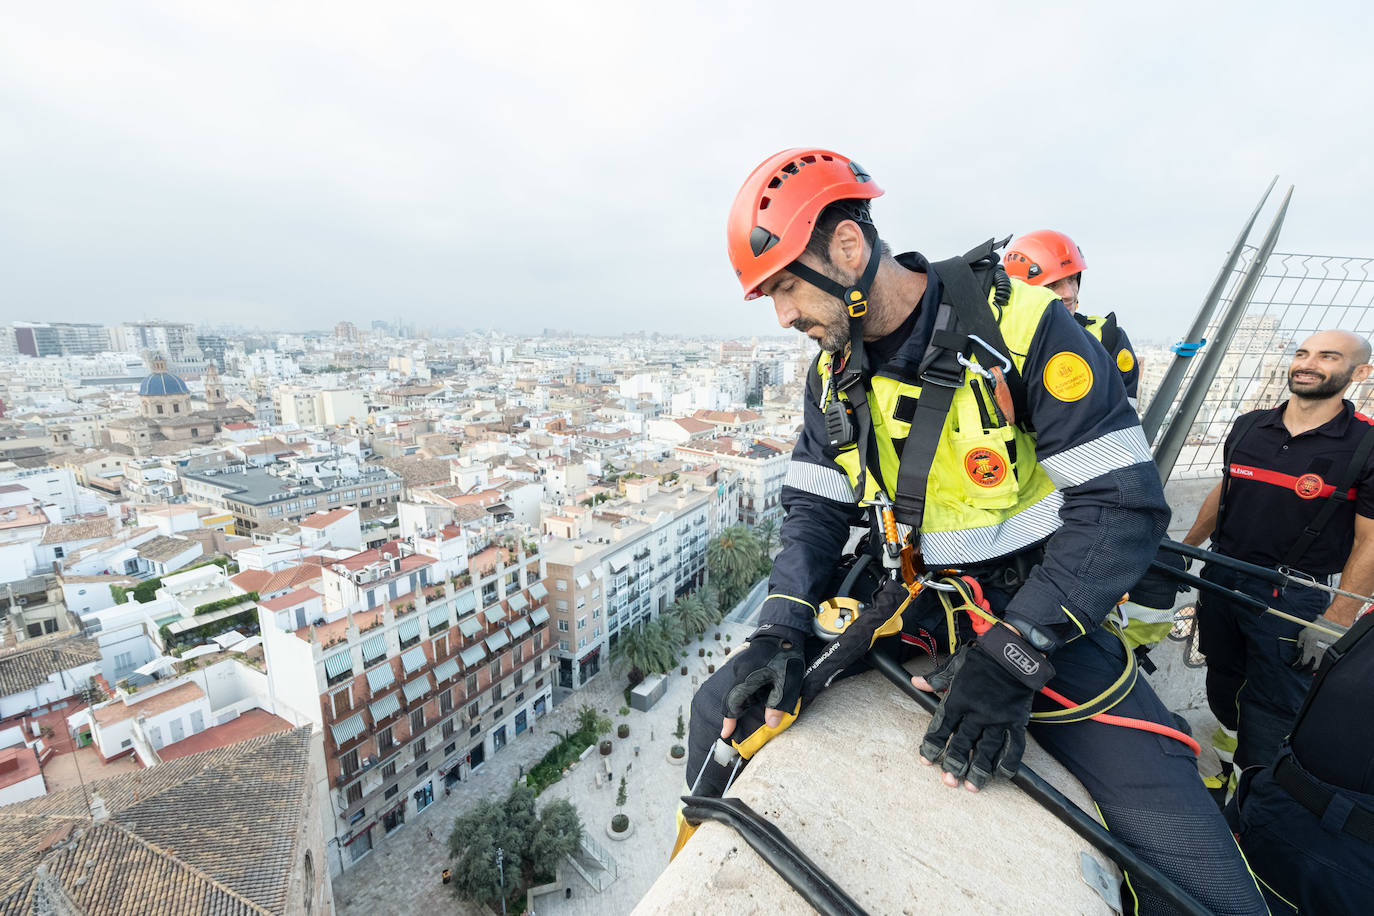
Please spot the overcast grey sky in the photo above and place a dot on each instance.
(529, 164)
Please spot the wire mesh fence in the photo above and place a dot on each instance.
(1297, 295)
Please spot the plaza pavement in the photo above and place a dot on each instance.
(402, 875)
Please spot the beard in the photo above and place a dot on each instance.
(1325, 387)
(834, 330)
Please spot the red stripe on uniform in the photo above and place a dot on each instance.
(1288, 481)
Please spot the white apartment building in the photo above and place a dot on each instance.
(620, 565)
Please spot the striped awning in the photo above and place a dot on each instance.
(348, 729)
(416, 688)
(519, 628)
(445, 670)
(538, 616)
(466, 602)
(538, 592)
(374, 647)
(470, 627)
(380, 678)
(413, 660)
(494, 614)
(388, 705)
(338, 663)
(472, 655)
(438, 619)
(409, 629)
(497, 640)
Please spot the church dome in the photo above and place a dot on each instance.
(162, 383)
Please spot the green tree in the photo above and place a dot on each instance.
(642, 649)
(621, 797)
(557, 834)
(693, 616)
(766, 531)
(733, 560)
(531, 844)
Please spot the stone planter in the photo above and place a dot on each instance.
(625, 834)
(717, 637)
(684, 670)
(677, 761)
(710, 669)
(726, 650)
(605, 748)
(701, 653)
(623, 731)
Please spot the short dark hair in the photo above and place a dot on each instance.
(832, 216)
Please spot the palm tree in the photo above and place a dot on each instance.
(766, 531)
(643, 648)
(733, 559)
(694, 616)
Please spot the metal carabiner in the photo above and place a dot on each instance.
(1006, 362)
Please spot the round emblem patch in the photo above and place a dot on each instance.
(1309, 486)
(1067, 376)
(985, 467)
(1125, 361)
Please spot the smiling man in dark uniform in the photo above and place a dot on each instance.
(1297, 491)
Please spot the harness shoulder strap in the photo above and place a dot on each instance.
(1333, 502)
(1228, 451)
(1111, 334)
(814, 386)
(964, 311)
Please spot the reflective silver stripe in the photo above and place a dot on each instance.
(822, 481)
(972, 545)
(1139, 612)
(1112, 452)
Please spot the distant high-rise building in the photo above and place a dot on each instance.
(213, 346)
(174, 339)
(346, 330)
(37, 339)
(43, 338)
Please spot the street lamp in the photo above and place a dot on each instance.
(500, 868)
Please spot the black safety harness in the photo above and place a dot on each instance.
(964, 326)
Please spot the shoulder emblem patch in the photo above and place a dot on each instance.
(1125, 361)
(1068, 376)
(985, 467)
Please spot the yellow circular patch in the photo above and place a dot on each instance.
(1067, 376)
(1125, 361)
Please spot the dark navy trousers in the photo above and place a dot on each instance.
(1251, 684)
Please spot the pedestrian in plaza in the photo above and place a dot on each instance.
(430, 833)
(973, 409)
(1296, 493)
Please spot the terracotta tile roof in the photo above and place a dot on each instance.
(253, 580)
(211, 833)
(290, 599)
(693, 425)
(90, 530)
(322, 519)
(25, 668)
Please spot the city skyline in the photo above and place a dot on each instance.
(465, 168)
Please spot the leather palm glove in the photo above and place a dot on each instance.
(768, 669)
(979, 728)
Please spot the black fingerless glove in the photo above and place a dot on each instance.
(979, 728)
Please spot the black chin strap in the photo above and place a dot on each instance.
(855, 301)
